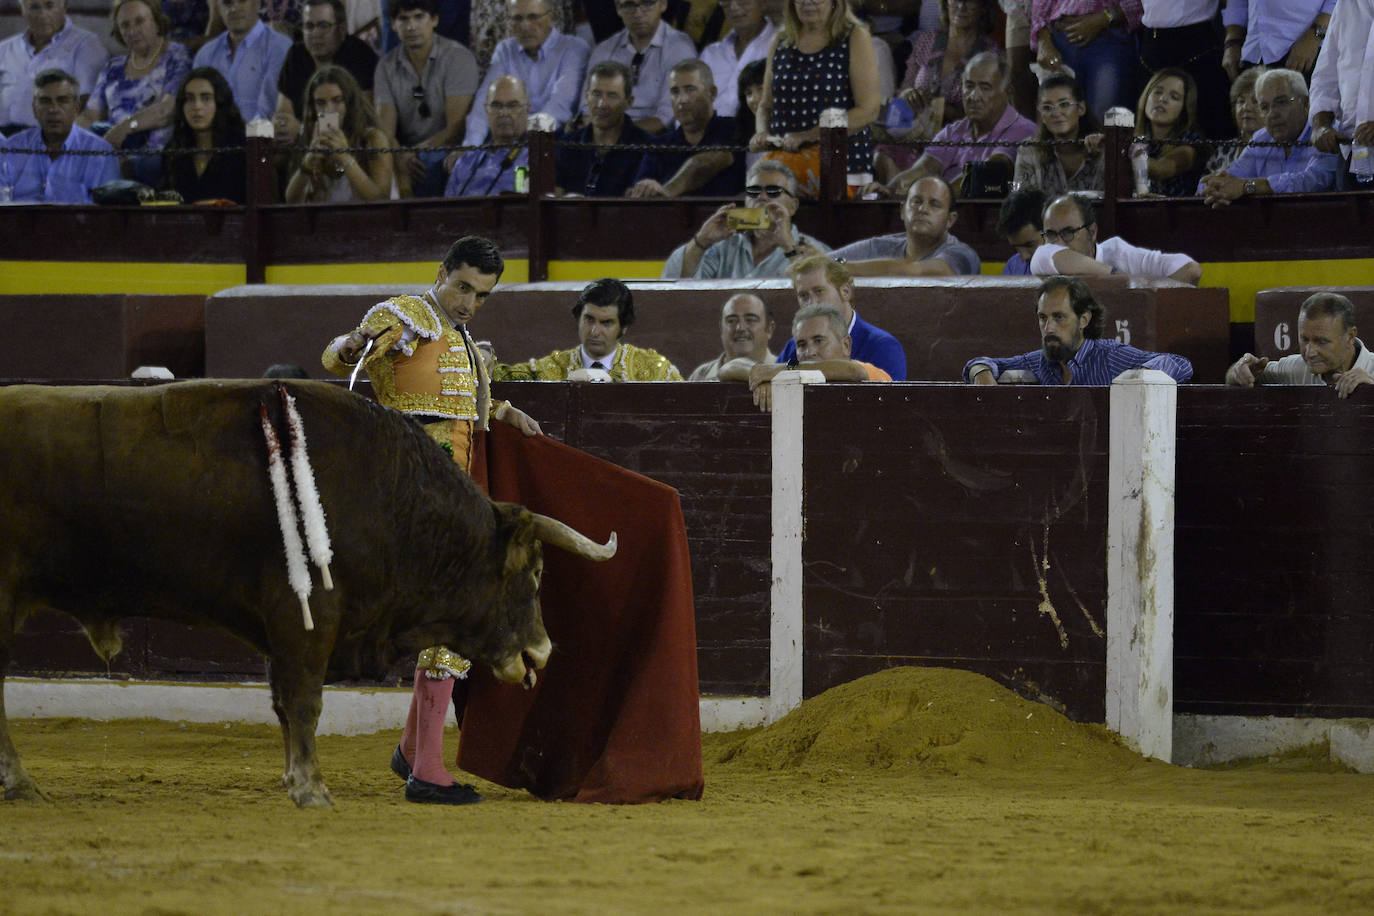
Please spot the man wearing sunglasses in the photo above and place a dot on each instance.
(649, 47)
(423, 88)
(1071, 247)
(718, 251)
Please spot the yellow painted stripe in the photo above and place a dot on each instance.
(594, 270)
(407, 273)
(94, 277)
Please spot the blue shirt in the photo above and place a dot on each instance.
(868, 345)
(552, 78)
(68, 180)
(252, 70)
(1301, 168)
(484, 172)
(1097, 362)
(1016, 266)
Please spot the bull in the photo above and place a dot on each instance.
(155, 502)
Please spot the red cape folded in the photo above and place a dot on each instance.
(615, 715)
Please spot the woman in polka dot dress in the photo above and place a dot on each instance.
(822, 58)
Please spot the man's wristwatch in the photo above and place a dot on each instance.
(133, 124)
(1249, 187)
(1319, 31)
(1111, 14)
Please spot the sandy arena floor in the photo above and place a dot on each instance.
(909, 791)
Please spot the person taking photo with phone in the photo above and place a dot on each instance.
(340, 129)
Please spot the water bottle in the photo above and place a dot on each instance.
(1140, 168)
(522, 179)
(1362, 163)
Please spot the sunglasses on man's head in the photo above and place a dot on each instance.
(772, 190)
(419, 93)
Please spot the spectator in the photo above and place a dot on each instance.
(1167, 116)
(649, 48)
(549, 64)
(1074, 351)
(49, 41)
(703, 21)
(989, 118)
(250, 55)
(823, 345)
(925, 249)
(1277, 33)
(749, 93)
(930, 94)
(821, 280)
(1245, 111)
(339, 118)
(1071, 247)
(749, 38)
(603, 172)
(1020, 222)
(206, 118)
(424, 88)
(44, 164)
(1293, 166)
(491, 170)
(604, 312)
(720, 250)
(1186, 34)
(1343, 81)
(710, 173)
(136, 92)
(325, 41)
(286, 370)
(1329, 354)
(822, 59)
(1095, 40)
(746, 326)
(1069, 154)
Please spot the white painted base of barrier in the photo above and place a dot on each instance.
(346, 711)
(1207, 740)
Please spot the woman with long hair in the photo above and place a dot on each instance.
(339, 118)
(821, 58)
(1166, 116)
(1068, 153)
(206, 120)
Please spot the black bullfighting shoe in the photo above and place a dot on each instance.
(427, 793)
(399, 765)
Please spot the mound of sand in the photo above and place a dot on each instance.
(937, 720)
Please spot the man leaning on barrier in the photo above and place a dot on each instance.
(1329, 353)
(485, 172)
(746, 326)
(1071, 247)
(926, 249)
(674, 172)
(1073, 351)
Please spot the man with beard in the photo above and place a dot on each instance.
(1329, 354)
(746, 326)
(925, 249)
(1073, 351)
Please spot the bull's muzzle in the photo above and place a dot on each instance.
(520, 669)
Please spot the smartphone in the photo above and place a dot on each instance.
(329, 119)
(744, 218)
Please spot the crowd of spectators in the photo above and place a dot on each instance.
(747, 80)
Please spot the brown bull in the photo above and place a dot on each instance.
(155, 502)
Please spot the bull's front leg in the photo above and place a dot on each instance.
(13, 778)
(296, 698)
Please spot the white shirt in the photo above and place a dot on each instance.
(1114, 252)
(606, 361)
(1343, 79)
(1292, 369)
(726, 65)
(72, 49)
(1171, 14)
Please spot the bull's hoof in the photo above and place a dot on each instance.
(24, 791)
(427, 793)
(311, 796)
(399, 765)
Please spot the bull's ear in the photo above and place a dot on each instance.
(515, 534)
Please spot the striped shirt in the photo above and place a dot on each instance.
(1097, 362)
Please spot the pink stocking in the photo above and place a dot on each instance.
(422, 742)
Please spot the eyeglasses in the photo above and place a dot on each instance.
(1062, 236)
(1282, 101)
(772, 190)
(1049, 108)
(529, 19)
(506, 106)
(418, 93)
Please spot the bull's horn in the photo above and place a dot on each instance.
(552, 531)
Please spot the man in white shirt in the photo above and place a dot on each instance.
(650, 48)
(49, 42)
(1329, 352)
(751, 35)
(746, 327)
(1071, 247)
(1342, 92)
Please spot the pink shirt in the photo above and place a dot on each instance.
(1043, 12)
(1010, 128)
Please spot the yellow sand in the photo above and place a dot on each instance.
(909, 791)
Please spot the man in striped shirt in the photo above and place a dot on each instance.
(1073, 351)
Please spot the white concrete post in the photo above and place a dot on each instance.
(1140, 561)
(785, 635)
